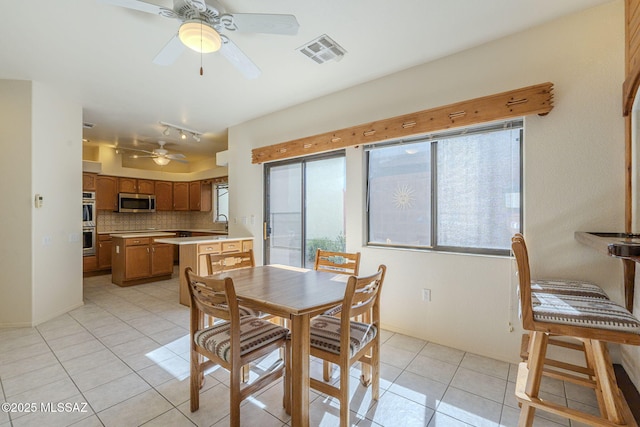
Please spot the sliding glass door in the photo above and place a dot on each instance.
(304, 208)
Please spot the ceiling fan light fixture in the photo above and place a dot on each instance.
(196, 137)
(167, 131)
(183, 135)
(199, 36)
(162, 161)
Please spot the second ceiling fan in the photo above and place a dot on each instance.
(202, 25)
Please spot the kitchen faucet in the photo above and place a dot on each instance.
(226, 221)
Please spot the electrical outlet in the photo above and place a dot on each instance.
(426, 295)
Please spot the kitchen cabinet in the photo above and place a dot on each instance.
(103, 251)
(106, 193)
(161, 259)
(89, 263)
(200, 196)
(133, 185)
(180, 196)
(89, 181)
(193, 254)
(164, 195)
(140, 260)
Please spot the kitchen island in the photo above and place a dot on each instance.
(194, 250)
(139, 258)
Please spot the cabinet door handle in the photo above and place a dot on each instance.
(147, 250)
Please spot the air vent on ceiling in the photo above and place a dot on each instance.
(323, 49)
(87, 125)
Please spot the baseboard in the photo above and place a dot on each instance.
(630, 392)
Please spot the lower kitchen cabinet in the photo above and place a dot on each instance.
(140, 260)
(161, 259)
(103, 252)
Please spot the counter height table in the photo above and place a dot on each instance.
(296, 294)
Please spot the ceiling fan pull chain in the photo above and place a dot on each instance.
(201, 70)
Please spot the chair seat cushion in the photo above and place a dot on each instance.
(325, 334)
(568, 287)
(254, 334)
(583, 311)
(333, 311)
(244, 311)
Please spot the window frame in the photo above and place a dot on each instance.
(434, 138)
(216, 202)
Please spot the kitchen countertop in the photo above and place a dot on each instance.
(199, 239)
(170, 230)
(129, 235)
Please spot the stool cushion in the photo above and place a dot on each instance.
(568, 287)
(254, 333)
(325, 334)
(583, 311)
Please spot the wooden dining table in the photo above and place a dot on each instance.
(296, 294)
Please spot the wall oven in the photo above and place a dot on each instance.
(88, 223)
(88, 241)
(88, 209)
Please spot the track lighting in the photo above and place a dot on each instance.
(182, 131)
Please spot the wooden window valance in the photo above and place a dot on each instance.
(537, 99)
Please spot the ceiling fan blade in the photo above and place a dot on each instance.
(170, 52)
(198, 4)
(179, 160)
(266, 23)
(239, 60)
(134, 149)
(176, 156)
(142, 6)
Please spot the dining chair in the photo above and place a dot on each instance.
(234, 342)
(340, 263)
(595, 322)
(343, 341)
(337, 262)
(219, 263)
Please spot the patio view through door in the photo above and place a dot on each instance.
(304, 208)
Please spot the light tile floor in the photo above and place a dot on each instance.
(122, 360)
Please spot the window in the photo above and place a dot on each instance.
(457, 191)
(221, 202)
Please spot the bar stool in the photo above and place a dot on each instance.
(595, 322)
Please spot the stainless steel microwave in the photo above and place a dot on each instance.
(128, 202)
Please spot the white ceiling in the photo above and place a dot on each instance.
(101, 55)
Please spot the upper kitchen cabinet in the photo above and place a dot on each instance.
(164, 195)
(180, 196)
(132, 185)
(200, 196)
(89, 181)
(106, 193)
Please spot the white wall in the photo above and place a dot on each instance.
(15, 193)
(41, 252)
(56, 174)
(573, 166)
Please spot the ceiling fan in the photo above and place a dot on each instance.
(159, 155)
(202, 25)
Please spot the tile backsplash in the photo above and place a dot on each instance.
(115, 221)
